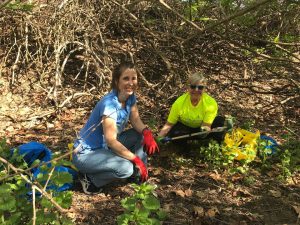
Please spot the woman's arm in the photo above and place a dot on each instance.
(165, 130)
(110, 135)
(135, 119)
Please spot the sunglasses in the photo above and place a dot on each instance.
(197, 87)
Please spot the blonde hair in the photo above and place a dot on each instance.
(197, 77)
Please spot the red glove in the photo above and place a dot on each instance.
(149, 142)
(141, 166)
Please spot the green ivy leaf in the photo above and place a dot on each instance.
(15, 218)
(143, 212)
(140, 195)
(150, 202)
(162, 215)
(60, 178)
(7, 203)
(154, 221)
(64, 199)
(45, 218)
(5, 189)
(129, 203)
(66, 221)
(123, 219)
(65, 163)
(46, 203)
(144, 221)
(147, 188)
(40, 176)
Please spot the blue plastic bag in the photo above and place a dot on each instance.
(32, 151)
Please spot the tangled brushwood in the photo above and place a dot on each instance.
(68, 48)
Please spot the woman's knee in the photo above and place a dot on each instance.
(124, 169)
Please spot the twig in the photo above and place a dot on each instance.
(220, 221)
(227, 19)
(71, 97)
(288, 99)
(179, 15)
(288, 52)
(33, 205)
(50, 175)
(135, 18)
(291, 131)
(233, 43)
(250, 37)
(15, 66)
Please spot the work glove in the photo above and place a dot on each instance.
(149, 142)
(142, 168)
(162, 140)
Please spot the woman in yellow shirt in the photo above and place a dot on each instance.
(193, 111)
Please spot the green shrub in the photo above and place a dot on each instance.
(16, 198)
(142, 208)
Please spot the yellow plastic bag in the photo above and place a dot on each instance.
(241, 143)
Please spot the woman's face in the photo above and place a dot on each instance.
(127, 83)
(196, 89)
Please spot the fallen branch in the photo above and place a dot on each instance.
(227, 19)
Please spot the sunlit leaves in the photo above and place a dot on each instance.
(141, 208)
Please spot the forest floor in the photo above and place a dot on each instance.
(189, 191)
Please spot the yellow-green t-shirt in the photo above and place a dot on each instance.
(183, 111)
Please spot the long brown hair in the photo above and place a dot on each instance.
(117, 72)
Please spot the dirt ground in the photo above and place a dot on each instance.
(189, 192)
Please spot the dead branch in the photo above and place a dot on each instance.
(135, 18)
(179, 15)
(229, 18)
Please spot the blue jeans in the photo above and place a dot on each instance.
(103, 166)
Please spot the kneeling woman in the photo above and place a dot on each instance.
(193, 111)
(104, 152)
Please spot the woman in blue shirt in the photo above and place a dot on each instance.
(104, 152)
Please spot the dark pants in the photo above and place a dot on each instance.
(180, 129)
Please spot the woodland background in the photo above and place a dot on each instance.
(56, 59)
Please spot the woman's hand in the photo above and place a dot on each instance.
(149, 142)
(142, 168)
(206, 127)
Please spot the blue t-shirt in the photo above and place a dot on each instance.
(91, 135)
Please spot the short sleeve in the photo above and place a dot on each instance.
(210, 112)
(109, 109)
(173, 116)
